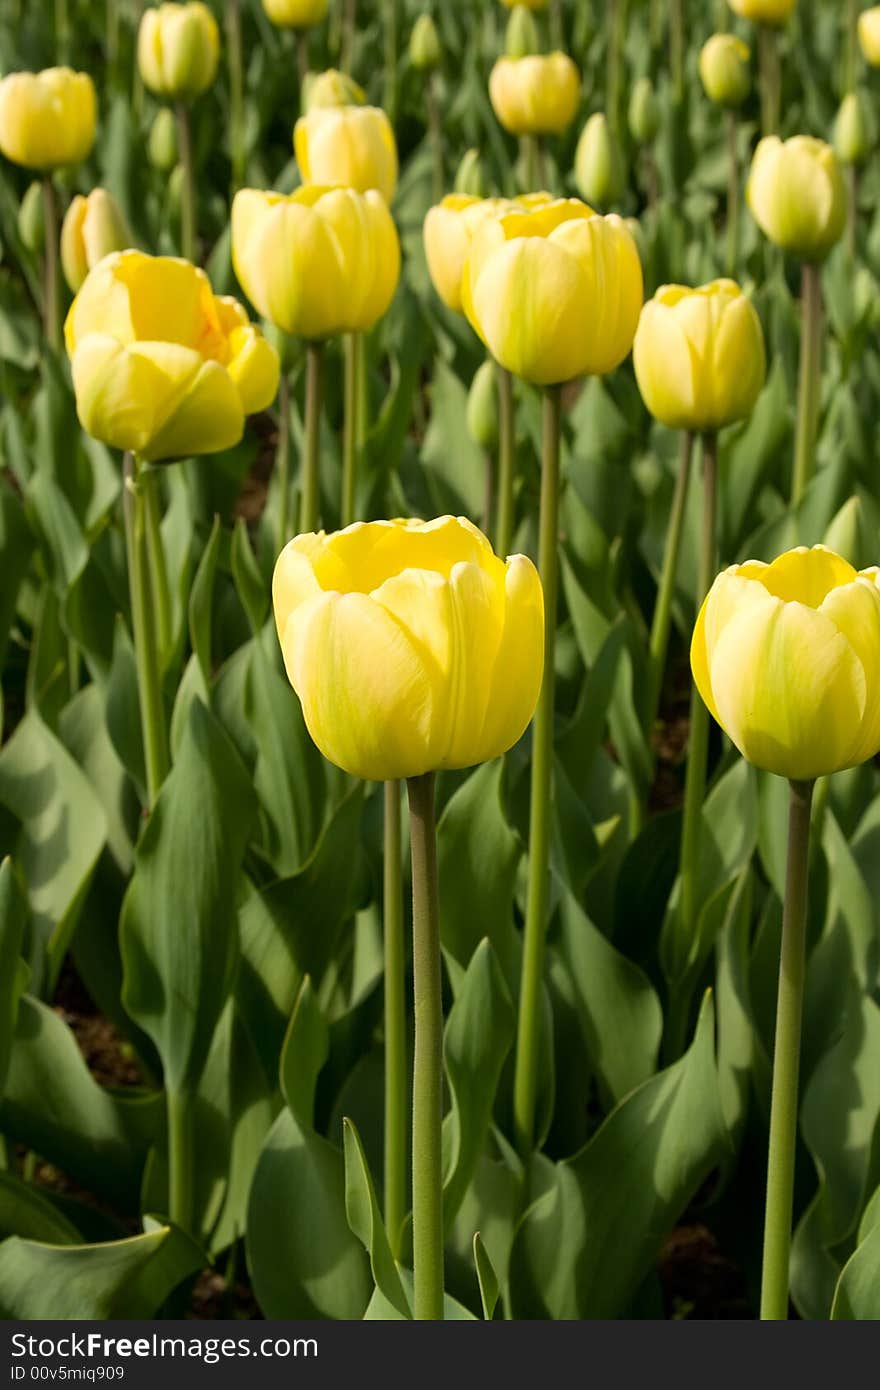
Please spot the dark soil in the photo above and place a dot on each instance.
(698, 1280)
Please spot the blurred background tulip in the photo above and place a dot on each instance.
(796, 195)
(93, 227)
(352, 146)
(869, 35)
(178, 50)
(724, 69)
(295, 14)
(771, 12)
(535, 95)
(331, 88)
(47, 119)
(598, 163)
(449, 228)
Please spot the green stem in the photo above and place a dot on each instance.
(557, 36)
(768, 54)
(427, 1170)
(188, 187)
(149, 482)
(351, 431)
(615, 45)
(51, 284)
(181, 1157)
(435, 129)
(809, 380)
(786, 1062)
(62, 31)
(540, 812)
(391, 59)
(302, 61)
(676, 49)
(506, 463)
(666, 588)
(732, 194)
(852, 199)
(282, 462)
(698, 743)
(395, 1027)
(310, 479)
(137, 86)
(112, 42)
(156, 757)
(236, 92)
(349, 31)
(852, 44)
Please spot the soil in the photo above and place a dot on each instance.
(699, 1281)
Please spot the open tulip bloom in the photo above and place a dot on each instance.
(786, 657)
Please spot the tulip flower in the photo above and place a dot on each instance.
(869, 35)
(449, 228)
(772, 12)
(295, 14)
(412, 648)
(787, 658)
(93, 227)
(527, 4)
(598, 163)
(425, 50)
(47, 120)
(332, 88)
(796, 194)
(353, 146)
(724, 70)
(535, 95)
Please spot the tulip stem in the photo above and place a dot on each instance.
(732, 193)
(852, 44)
(666, 588)
(62, 31)
(768, 56)
(188, 186)
(698, 742)
(809, 380)
(112, 31)
(302, 61)
(533, 160)
(395, 1026)
(310, 476)
(156, 757)
(158, 567)
(349, 30)
(51, 285)
(786, 1061)
(391, 59)
(852, 198)
(351, 433)
(282, 461)
(181, 1167)
(236, 92)
(435, 130)
(427, 1171)
(676, 49)
(506, 462)
(525, 1086)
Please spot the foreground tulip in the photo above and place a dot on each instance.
(869, 35)
(161, 365)
(699, 356)
(178, 50)
(724, 69)
(93, 227)
(449, 228)
(554, 291)
(535, 95)
(47, 119)
(353, 146)
(295, 14)
(787, 658)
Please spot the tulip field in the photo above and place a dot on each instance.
(440, 649)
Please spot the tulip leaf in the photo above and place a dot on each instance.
(120, 1279)
(382, 1309)
(124, 710)
(26, 1211)
(486, 1278)
(201, 606)
(179, 924)
(249, 582)
(13, 972)
(454, 464)
(587, 1242)
(365, 1220)
(62, 833)
(857, 1295)
(17, 544)
(478, 1037)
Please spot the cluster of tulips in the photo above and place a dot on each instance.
(414, 645)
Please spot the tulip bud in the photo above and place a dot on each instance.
(724, 70)
(773, 13)
(482, 407)
(424, 45)
(522, 34)
(796, 194)
(850, 535)
(853, 138)
(331, 88)
(598, 163)
(869, 35)
(178, 48)
(92, 228)
(31, 219)
(162, 144)
(174, 190)
(47, 119)
(469, 176)
(644, 113)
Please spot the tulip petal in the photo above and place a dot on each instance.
(254, 368)
(519, 663)
(208, 418)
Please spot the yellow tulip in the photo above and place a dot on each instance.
(331, 88)
(699, 356)
(869, 35)
(535, 95)
(724, 69)
(47, 118)
(447, 235)
(797, 196)
(554, 291)
(412, 647)
(295, 14)
(787, 658)
(161, 365)
(352, 146)
(772, 12)
(92, 228)
(529, 4)
(318, 262)
(178, 48)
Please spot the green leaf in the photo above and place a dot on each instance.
(13, 972)
(454, 464)
(179, 925)
(26, 1211)
(585, 1245)
(365, 1220)
(200, 607)
(249, 582)
(858, 1289)
(382, 1309)
(486, 1278)
(17, 545)
(478, 1037)
(62, 833)
(121, 1279)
